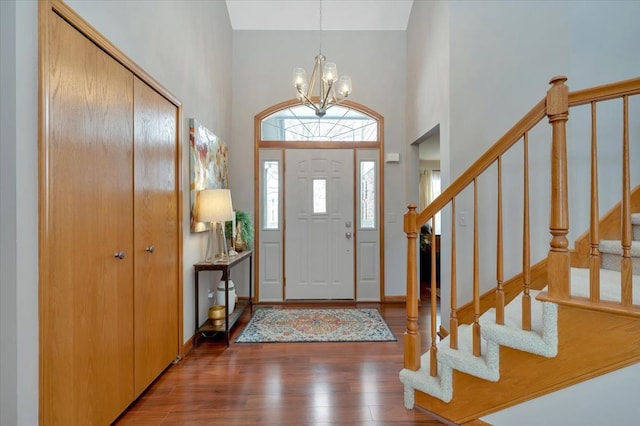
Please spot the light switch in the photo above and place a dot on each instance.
(463, 218)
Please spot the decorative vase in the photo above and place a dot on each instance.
(240, 243)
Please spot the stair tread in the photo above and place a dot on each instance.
(615, 247)
(540, 340)
(513, 313)
(462, 359)
(635, 218)
(609, 284)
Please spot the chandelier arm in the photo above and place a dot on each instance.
(312, 82)
(309, 102)
(326, 95)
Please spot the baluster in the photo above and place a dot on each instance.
(476, 273)
(558, 265)
(499, 260)
(626, 264)
(411, 337)
(526, 248)
(453, 324)
(594, 237)
(433, 367)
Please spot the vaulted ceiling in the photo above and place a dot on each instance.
(337, 15)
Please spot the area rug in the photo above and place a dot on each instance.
(269, 325)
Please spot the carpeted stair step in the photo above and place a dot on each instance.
(541, 340)
(440, 386)
(612, 252)
(635, 222)
(609, 284)
(486, 366)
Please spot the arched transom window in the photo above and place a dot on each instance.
(299, 123)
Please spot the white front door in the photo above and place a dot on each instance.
(319, 235)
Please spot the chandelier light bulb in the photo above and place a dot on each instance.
(299, 78)
(344, 86)
(330, 72)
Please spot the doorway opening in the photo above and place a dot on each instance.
(429, 184)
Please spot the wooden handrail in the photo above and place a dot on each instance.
(605, 92)
(526, 123)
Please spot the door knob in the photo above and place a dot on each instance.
(150, 249)
(347, 234)
(119, 255)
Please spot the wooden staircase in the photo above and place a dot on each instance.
(499, 354)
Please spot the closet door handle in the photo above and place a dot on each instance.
(119, 255)
(150, 249)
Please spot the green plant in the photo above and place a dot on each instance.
(243, 218)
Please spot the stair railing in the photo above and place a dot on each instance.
(555, 106)
(413, 221)
(559, 287)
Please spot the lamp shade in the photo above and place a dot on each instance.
(214, 205)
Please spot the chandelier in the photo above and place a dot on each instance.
(324, 78)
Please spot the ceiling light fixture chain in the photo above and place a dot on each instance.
(327, 74)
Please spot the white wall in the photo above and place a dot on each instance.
(597, 57)
(428, 101)
(262, 66)
(497, 77)
(8, 217)
(186, 46)
(19, 219)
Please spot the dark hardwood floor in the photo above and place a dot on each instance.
(285, 383)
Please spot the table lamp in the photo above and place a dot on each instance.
(214, 206)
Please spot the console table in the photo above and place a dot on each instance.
(230, 318)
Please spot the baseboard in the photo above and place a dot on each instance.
(187, 346)
(394, 299)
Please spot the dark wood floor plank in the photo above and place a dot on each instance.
(353, 383)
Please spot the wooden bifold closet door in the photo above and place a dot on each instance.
(155, 235)
(109, 232)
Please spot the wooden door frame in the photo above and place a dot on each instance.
(284, 145)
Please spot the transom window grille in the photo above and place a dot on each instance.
(340, 124)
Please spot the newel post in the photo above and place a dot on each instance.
(411, 336)
(558, 261)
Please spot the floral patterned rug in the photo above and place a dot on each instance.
(270, 325)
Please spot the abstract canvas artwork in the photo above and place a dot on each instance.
(208, 163)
